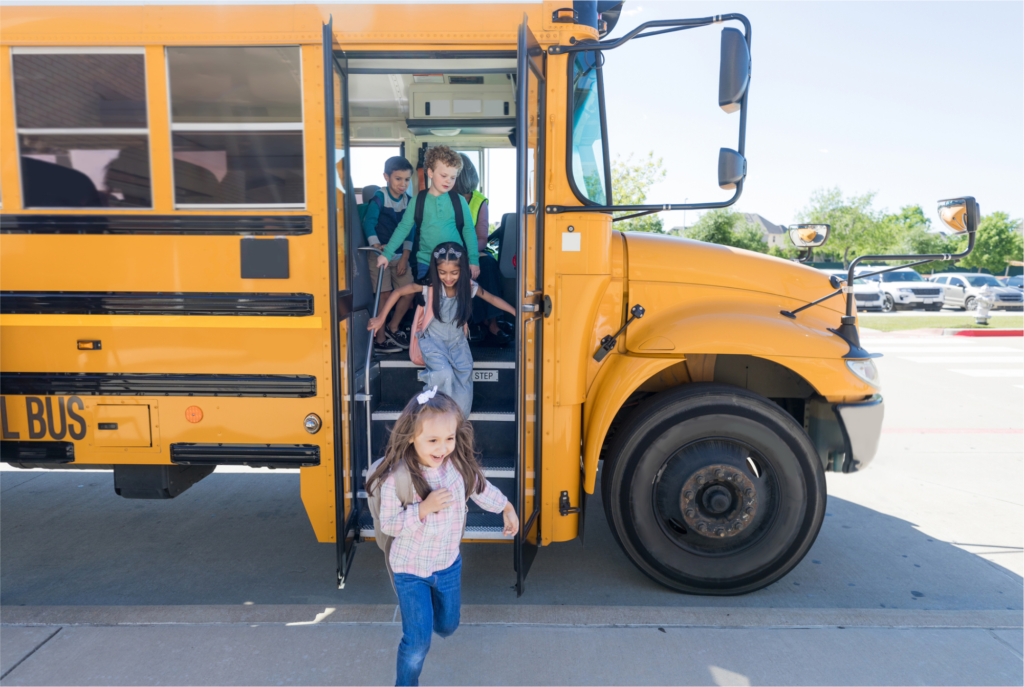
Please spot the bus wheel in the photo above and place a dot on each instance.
(713, 489)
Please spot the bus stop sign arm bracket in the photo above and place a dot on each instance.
(666, 25)
(608, 343)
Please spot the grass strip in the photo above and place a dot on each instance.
(895, 323)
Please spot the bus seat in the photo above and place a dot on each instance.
(507, 243)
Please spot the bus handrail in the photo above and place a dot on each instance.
(366, 366)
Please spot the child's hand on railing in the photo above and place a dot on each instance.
(375, 323)
(382, 262)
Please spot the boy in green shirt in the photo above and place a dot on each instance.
(443, 166)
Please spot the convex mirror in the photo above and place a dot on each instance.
(959, 214)
(809, 235)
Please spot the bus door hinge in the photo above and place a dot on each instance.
(363, 397)
(563, 505)
(547, 306)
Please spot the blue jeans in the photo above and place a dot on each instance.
(429, 604)
(421, 270)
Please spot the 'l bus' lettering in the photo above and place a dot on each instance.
(79, 433)
(8, 434)
(34, 409)
(51, 425)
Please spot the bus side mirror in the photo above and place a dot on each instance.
(734, 74)
(809, 235)
(959, 214)
(732, 168)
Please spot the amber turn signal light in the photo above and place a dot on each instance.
(84, 345)
(193, 414)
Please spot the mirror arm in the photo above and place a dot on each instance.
(638, 214)
(791, 314)
(645, 209)
(922, 259)
(671, 24)
(805, 257)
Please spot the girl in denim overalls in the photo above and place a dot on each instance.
(449, 363)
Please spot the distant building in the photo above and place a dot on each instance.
(774, 235)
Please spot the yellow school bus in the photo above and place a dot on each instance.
(183, 286)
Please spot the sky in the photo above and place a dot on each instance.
(914, 101)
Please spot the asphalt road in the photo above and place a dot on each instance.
(916, 577)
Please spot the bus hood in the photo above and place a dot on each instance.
(658, 258)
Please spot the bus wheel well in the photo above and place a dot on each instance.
(765, 377)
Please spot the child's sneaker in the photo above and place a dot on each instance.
(386, 347)
(398, 338)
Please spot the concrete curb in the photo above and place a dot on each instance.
(508, 615)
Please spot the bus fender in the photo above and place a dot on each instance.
(619, 376)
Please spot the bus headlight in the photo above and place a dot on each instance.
(864, 370)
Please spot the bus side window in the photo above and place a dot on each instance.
(236, 113)
(67, 158)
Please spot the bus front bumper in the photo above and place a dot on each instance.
(861, 424)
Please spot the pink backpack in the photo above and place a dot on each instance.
(420, 322)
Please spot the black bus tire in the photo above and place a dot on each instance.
(736, 442)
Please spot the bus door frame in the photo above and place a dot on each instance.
(530, 304)
(346, 511)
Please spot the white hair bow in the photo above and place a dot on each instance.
(426, 396)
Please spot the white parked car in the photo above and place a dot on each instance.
(906, 289)
(962, 289)
(868, 295)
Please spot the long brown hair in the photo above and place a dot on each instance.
(401, 448)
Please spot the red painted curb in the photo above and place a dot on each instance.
(990, 332)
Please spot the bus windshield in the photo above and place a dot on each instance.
(587, 146)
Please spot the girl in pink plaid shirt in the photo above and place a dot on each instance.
(433, 441)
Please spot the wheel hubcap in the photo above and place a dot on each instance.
(718, 501)
(715, 496)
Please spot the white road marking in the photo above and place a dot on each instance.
(991, 373)
(960, 359)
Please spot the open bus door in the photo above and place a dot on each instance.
(530, 300)
(341, 297)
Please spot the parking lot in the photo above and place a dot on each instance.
(916, 576)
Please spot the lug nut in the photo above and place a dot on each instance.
(719, 472)
(737, 525)
(749, 493)
(700, 479)
(745, 516)
(702, 527)
(689, 512)
(720, 532)
(688, 495)
(748, 511)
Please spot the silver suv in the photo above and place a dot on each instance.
(906, 289)
(962, 289)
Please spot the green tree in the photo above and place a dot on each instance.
(857, 228)
(728, 228)
(910, 233)
(998, 240)
(630, 183)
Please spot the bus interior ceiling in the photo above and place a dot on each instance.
(467, 104)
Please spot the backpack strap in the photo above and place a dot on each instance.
(403, 485)
(460, 221)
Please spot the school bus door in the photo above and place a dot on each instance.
(531, 303)
(341, 296)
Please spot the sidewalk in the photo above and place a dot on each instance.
(308, 645)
